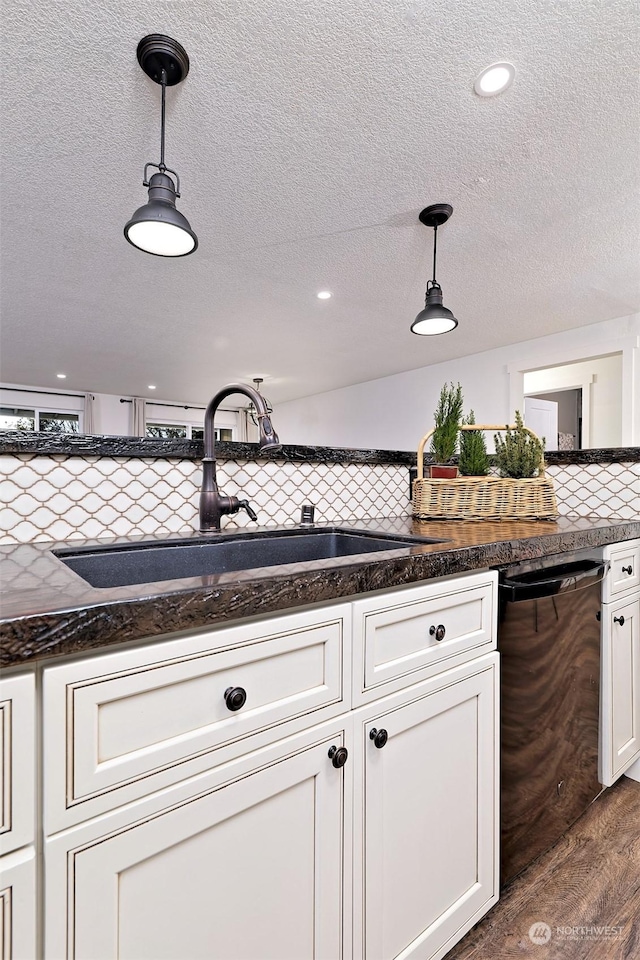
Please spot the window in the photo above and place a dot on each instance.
(48, 421)
(166, 431)
(58, 422)
(221, 433)
(15, 418)
(184, 431)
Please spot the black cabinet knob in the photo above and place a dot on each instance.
(628, 569)
(338, 756)
(619, 620)
(437, 632)
(235, 698)
(379, 737)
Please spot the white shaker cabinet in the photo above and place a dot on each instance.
(425, 823)
(178, 828)
(620, 670)
(249, 869)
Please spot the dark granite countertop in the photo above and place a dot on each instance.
(85, 445)
(47, 610)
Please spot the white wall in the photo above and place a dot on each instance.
(111, 417)
(14, 395)
(393, 413)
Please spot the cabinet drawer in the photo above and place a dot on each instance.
(624, 575)
(122, 719)
(17, 761)
(403, 639)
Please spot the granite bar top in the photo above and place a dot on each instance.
(84, 445)
(49, 611)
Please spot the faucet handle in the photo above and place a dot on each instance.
(246, 506)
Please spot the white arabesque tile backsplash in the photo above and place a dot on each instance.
(72, 498)
(607, 490)
(58, 497)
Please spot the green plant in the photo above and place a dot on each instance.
(473, 461)
(447, 418)
(519, 453)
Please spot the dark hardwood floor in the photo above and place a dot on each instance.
(589, 879)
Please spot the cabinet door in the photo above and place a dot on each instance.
(430, 819)
(17, 761)
(620, 701)
(250, 871)
(18, 905)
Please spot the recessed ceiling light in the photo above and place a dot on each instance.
(61, 376)
(494, 79)
(324, 295)
(151, 386)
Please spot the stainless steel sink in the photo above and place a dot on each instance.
(124, 564)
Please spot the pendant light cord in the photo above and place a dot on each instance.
(435, 244)
(163, 81)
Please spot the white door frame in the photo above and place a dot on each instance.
(629, 347)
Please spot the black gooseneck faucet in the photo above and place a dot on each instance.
(213, 504)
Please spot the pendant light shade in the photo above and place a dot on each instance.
(158, 227)
(435, 318)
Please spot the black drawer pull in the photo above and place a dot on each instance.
(235, 698)
(628, 569)
(379, 737)
(338, 756)
(619, 620)
(437, 632)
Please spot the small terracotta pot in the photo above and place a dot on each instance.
(441, 471)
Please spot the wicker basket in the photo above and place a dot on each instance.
(483, 498)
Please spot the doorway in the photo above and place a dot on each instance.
(557, 416)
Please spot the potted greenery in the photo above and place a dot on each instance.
(444, 441)
(473, 460)
(519, 454)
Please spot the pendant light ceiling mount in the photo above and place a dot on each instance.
(157, 53)
(158, 227)
(436, 214)
(435, 318)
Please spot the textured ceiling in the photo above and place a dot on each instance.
(308, 135)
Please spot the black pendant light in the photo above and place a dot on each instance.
(435, 318)
(157, 227)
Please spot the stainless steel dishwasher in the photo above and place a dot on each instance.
(549, 643)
